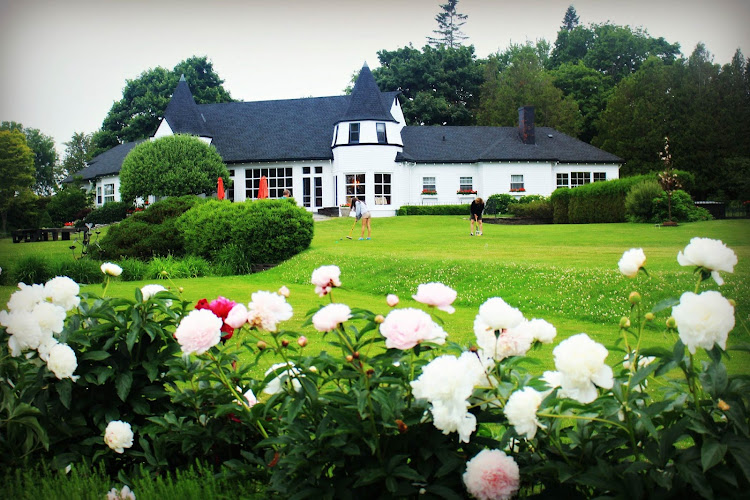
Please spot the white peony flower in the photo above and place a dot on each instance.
(25, 331)
(405, 328)
(286, 376)
(436, 295)
(496, 314)
(521, 411)
(492, 475)
(237, 316)
(118, 435)
(149, 291)
(330, 317)
(51, 318)
(125, 494)
(392, 300)
(62, 361)
(267, 310)
(25, 298)
(325, 278)
(111, 269)
(453, 416)
(198, 331)
(542, 330)
(703, 320)
(515, 341)
(631, 261)
(581, 363)
(709, 254)
(63, 291)
(642, 361)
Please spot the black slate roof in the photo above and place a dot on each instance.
(476, 144)
(365, 103)
(182, 113)
(107, 163)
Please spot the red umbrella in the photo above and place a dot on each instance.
(220, 191)
(263, 188)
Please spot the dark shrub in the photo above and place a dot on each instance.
(560, 199)
(537, 209)
(114, 211)
(498, 204)
(68, 204)
(152, 232)
(32, 269)
(600, 201)
(79, 270)
(639, 202)
(133, 269)
(266, 231)
(683, 208)
(434, 210)
(530, 198)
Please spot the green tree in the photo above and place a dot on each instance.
(449, 26)
(77, 152)
(16, 169)
(171, 166)
(589, 88)
(45, 157)
(571, 20)
(525, 82)
(69, 204)
(439, 85)
(144, 99)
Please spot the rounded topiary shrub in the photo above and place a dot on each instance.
(683, 208)
(264, 231)
(498, 204)
(639, 202)
(146, 234)
(114, 211)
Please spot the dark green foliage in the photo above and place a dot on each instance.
(230, 260)
(599, 201)
(79, 270)
(560, 199)
(68, 204)
(152, 232)
(498, 204)
(108, 213)
(265, 231)
(188, 266)
(434, 210)
(31, 269)
(683, 208)
(535, 209)
(529, 198)
(639, 202)
(133, 269)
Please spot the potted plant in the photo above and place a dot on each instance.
(429, 192)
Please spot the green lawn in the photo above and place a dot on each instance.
(566, 274)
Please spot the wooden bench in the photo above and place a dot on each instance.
(43, 234)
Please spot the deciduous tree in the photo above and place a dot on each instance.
(78, 151)
(45, 157)
(16, 169)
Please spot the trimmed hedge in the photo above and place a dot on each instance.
(435, 210)
(114, 211)
(535, 209)
(262, 231)
(498, 204)
(594, 203)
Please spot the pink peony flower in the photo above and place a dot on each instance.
(237, 316)
(405, 328)
(391, 300)
(221, 307)
(302, 341)
(198, 331)
(331, 316)
(325, 278)
(436, 295)
(492, 475)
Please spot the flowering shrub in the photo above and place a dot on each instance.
(429, 192)
(466, 191)
(394, 407)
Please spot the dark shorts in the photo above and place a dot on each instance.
(476, 216)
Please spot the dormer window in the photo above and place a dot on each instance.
(380, 128)
(354, 133)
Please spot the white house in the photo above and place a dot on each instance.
(327, 149)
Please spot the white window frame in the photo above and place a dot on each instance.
(516, 183)
(380, 130)
(354, 132)
(355, 184)
(579, 179)
(109, 193)
(99, 200)
(563, 179)
(600, 177)
(383, 188)
(429, 184)
(278, 178)
(466, 184)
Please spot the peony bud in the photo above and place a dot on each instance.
(392, 300)
(650, 316)
(261, 345)
(624, 322)
(285, 343)
(634, 298)
(164, 273)
(723, 406)
(671, 323)
(284, 292)
(302, 341)
(349, 358)
(402, 427)
(181, 289)
(732, 302)
(379, 318)
(356, 355)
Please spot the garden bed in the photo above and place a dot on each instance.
(517, 220)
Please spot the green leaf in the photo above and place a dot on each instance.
(64, 389)
(665, 304)
(712, 453)
(123, 383)
(740, 451)
(95, 355)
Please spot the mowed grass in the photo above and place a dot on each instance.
(565, 274)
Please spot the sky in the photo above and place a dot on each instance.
(63, 63)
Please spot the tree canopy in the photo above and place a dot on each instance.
(16, 169)
(46, 174)
(78, 151)
(145, 98)
(171, 166)
(449, 26)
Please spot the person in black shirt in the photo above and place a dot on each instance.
(477, 207)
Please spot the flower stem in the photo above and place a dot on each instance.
(588, 419)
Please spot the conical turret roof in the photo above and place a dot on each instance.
(366, 102)
(182, 113)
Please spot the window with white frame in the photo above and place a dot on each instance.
(98, 195)
(516, 183)
(109, 193)
(563, 180)
(278, 179)
(380, 128)
(382, 189)
(355, 186)
(230, 189)
(465, 184)
(579, 178)
(600, 176)
(354, 133)
(429, 185)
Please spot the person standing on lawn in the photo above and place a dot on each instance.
(477, 207)
(362, 212)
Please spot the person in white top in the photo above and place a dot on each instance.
(362, 212)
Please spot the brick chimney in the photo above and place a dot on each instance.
(526, 124)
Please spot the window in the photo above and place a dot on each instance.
(465, 184)
(562, 180)
(109, 193)
(230, 190)
(354, 133)
(579, 178)
(600, 176)
(428, 185)
(278, 180)
(382, 189)
(98, 195)
(516, 184)
(355, 186)
(380, 128)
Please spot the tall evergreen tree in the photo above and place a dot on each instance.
(571, 20)
(449, 26)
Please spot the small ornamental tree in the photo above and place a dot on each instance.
(176, 165)
(668, 179)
